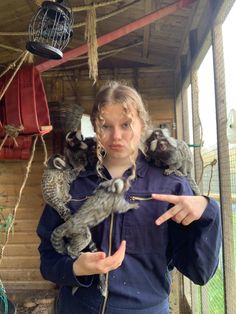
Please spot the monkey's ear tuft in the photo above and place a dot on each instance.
(79, 135)
(172, 141)
(59, 163)
(69, 136)
(153, 145)
(149, 133)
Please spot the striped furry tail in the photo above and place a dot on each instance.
(57, 241)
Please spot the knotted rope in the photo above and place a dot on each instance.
(22, 59)
(12, 132)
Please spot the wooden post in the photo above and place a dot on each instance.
(197, 127)
(196, 124)
(185, 113)
(224, 170)
(198, 160)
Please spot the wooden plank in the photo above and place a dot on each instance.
(28, 285)
(28, 213)
(27, 200)
(11, 262)
(25, 225)
(152, 60)
(24, 238)
(13, 190)
(29, 249)
(21, 275)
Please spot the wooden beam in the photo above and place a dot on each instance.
(147, 29)
(135, 57)
(183, 66)
(120, 32)
(185, 35)
(193, 43)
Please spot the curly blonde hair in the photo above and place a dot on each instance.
(114, 92)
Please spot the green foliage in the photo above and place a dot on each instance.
(216, 293)
(5, 223)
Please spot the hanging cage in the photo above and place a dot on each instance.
(50, 29)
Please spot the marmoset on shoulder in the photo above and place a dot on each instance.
(172, 154)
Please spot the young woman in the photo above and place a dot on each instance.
(138, 249)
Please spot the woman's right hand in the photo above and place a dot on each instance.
(97, 263)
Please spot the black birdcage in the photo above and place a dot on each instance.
(50, 29)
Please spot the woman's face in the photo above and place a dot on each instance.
(120, 133)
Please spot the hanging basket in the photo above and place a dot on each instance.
(24, 103)
(65, 116)
(24, 107)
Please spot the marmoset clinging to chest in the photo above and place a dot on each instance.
(107, 199)
(55, 184)
(172, 153)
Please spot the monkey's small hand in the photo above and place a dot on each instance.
(178, 173)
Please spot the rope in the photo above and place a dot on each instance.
(112, 51)
(14, 34)
(45, 151)
(212, 164)
(106, 16)
(10, 48)
(104, 54)
(91, 37)
(11, 66)
(23, 56)
(94, 5)
(83, 8)
(12, 132)
(13, 215)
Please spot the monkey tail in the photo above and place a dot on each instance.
(193, 185)
(57, 240)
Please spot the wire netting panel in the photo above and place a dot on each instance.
(210, 98)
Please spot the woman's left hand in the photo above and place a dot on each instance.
(186, 209)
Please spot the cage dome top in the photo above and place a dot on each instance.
(50, 29)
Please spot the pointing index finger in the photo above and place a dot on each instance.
(173, 199)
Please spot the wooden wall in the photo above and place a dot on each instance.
(155, 86)
(20, 266)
